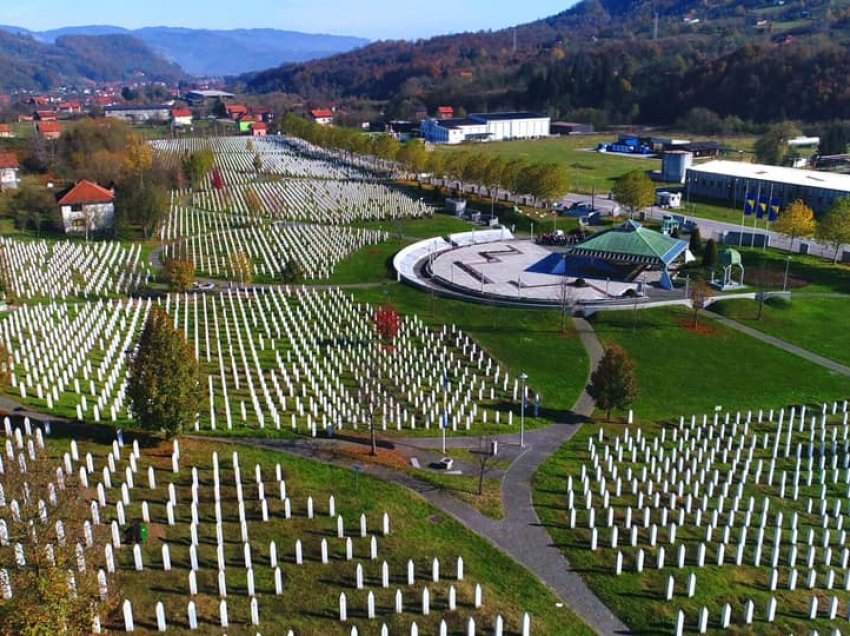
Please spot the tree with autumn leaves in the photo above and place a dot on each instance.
(373, 394)
(796, 221)
(613, 384)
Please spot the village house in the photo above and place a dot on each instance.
(322, 116)
(8, 171)
(87, 207)
(45, 115)
(259, 129)
(49, 129)
(70, 108)
(236, 111)
(181, 118)
(6, 132)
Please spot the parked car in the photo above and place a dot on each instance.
(445, 464)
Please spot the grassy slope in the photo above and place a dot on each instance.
(807, 322)
(524, 339)
(418, 532)
(681, 372)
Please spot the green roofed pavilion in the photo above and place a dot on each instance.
(632, 244)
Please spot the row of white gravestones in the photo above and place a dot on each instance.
(248, 561)
(308, 385)
(693, 501)
(279, 156)
(61, 269)
(317, 201)
(317, 249)
(433, 374)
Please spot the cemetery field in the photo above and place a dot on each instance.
(806, 321)
(708, 536)
(325, 524)
(682, 370)
(528, 340)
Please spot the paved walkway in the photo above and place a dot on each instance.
(520, 534)
(826, 363)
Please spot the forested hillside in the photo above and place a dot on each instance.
(30, 64)
(612, 60)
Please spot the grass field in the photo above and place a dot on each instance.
(588, 169)
(807, 322)
(419, 532)
(682, 371)
(526, 340)
(638, 599)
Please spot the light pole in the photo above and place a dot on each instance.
(522, 378)
(787, 267)
(445, 407)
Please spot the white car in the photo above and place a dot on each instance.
(446, 463)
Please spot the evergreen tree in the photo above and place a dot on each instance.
(695, 244)
(164, 381)
(709, 255)
(614, 384)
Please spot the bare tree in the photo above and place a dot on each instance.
(485, 459)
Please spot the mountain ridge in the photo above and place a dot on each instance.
(612, 61)
(216, 52)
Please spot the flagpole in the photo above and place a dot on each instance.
(755, 220)
(743, 215)
(767, 217)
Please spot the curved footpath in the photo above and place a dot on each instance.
(520, 534)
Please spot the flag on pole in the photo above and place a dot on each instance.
(774, 209)
(749, 204)
(762, 207)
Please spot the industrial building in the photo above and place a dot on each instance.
(140, 114)
(675, 164)
(733, 182)
(486, 127)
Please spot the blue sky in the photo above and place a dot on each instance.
(374, 19)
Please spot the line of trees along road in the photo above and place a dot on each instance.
(546, 182)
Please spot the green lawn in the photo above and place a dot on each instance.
(638, 599)
(588, 169)
(681, 372)
(309, 603)
(808, 322)
(526, 340)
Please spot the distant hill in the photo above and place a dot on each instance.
(203, 52)
(28, 63)
(612, 60)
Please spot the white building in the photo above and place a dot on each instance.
(735, 181)
(139, 114)
(87, 207)
(486, 127)
(8, 171)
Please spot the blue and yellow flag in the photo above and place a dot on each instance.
(749, 205)
(774, 209)
(762, 209)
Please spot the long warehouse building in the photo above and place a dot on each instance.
(734, 181)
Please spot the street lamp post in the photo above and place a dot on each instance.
(522, 378)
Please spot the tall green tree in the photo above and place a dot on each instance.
(634, 190)
(834, 139)
(796, 221)
(164, 382)
(613, 385)
(833, 227)
(141, 203)
(772, 147)
(197, 165)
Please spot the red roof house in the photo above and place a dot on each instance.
(45, 115)
(235, 111)
(322, 116)
(259, 129)
(6, 131)
(87, 207)
(49, 129)
(445, 112)
(8, 170)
